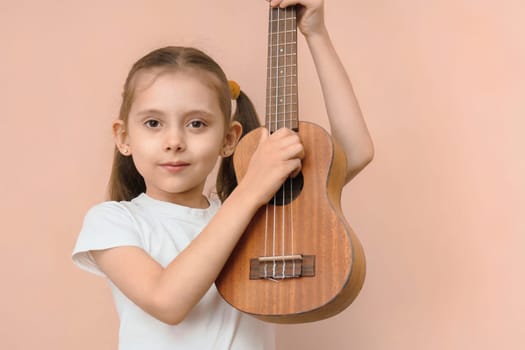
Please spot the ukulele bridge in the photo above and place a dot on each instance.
(281, 267)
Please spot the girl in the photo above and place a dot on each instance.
(160, 242)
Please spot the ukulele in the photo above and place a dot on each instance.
(298, 260)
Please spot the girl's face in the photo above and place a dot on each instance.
(175, 133)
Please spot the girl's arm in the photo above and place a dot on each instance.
(170, 293)
(346, 121)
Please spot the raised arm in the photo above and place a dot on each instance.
(347, 124)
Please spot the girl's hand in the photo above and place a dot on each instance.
(277, 157)
(310, 14)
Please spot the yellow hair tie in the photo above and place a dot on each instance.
(235, 89)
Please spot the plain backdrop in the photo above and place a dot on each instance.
(439, 211)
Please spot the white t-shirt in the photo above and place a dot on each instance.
(163, 230)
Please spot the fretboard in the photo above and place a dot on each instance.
(281, 84)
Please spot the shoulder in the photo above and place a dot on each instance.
(106, 225)
(110, 211)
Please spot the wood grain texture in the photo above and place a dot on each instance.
(319, 228)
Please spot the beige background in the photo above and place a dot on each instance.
(439, 211)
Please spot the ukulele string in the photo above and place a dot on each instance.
(276, 127)
(269, 93)
(284, 60)
(293, 29)
(288, 72)
(282, 51)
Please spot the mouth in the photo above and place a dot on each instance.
(174, 167)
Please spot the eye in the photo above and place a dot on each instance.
(152, 123)
(196, 124)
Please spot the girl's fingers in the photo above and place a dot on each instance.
(310, 14)
(286, 3)
(277, 157)
(287, 144)
(297, 168)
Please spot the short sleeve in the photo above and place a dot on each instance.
(106, 225)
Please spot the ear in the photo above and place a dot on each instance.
(120, 136)
(230, 140)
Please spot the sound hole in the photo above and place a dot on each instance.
(290, 189)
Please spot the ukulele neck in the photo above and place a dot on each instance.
(281, 84)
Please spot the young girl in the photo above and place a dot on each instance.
(160, 242)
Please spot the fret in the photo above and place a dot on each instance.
(281, 22)
(283, 116)
(285, 77)
(282, 120)
(284, 87)
(282, 97)
(282, 79)
(274, 103)
(279, 79)
(289, 55)
(288, 71)
(282, 108)
(283, 32)
(282, 47)
(281, 84)
(290, 124)
(285, 84)
(282, 61)
(281, 19)
(281, 111)
(284, 55)
(280, 92)
(282, 100)
(282, 105)
(283, 66)
(285, 43)
(285, 58)
(279, 100)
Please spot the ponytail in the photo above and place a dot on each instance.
(246, 115)
(125, 181)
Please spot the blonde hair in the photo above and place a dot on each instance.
(125, 182)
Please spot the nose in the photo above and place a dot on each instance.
(174, 140)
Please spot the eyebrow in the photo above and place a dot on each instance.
(153, 111)
(149, 111)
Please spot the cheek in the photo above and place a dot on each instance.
(209, 149)
(143, 153)
(212, 150)
(141, 143)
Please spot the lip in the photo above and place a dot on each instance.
(174, 167)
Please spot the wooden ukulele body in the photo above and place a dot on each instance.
(311, 226)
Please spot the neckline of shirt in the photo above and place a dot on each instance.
(175, 210)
